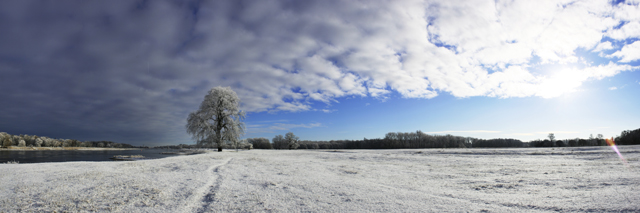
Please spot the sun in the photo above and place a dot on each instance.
(561, 82)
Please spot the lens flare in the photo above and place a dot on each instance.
(612, 144)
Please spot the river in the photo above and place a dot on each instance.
(42, 156)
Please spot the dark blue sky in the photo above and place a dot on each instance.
(131, 71)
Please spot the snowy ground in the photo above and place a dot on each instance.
(410, 180)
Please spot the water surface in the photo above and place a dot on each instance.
(41, 156)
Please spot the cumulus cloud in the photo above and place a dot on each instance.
(139, 66)
(629, 52)
(603, 46)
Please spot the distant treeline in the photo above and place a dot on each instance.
(7, 140)
(629, 137)
(242, 145)
(418, 139)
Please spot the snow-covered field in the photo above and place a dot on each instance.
(410, 180)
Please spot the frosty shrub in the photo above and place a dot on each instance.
(28, 139)
(245, 145)
(7, 142)
(47, 142)
(5, 139)
(312, 146)
(39, 142)
(218, 120)
(57, 142)
(279, 142)
(292, 140)
(16, 140)
(302, 146)
(22, 143)
(260, 143)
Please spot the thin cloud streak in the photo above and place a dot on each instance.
(253, 128)
(468, 131)
(556, 132)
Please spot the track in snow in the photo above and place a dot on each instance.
(204, 195)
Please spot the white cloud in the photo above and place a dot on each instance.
(629, 52)
(283, 56)
(469, 48)
(628, 30)
(603, 46)
(613, 88)
(328, 110)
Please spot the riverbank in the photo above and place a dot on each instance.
(409, 180)
(17, 148)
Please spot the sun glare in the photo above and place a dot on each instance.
(562, 82)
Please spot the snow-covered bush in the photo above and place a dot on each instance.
(47, 142)
(245, 145)
(292, 140)
(302, 146)
(279, 142)
(5, 139)
(260, 143)
(66, 143)
(38, 142)
(22, 143)
(28, 139)
(313, 146)
(57, 142)
(16, 140)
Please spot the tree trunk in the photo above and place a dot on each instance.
(219, 138)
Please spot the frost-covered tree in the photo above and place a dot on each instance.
(16, 140)
(22, 143)
(66, 143)
(218, 119)
(312, 146)
(38, 142)
(58, 142)
(260, 143)
(279, 142)
(243, 144)
(292, 140)
(48, 142)
(5, 139)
